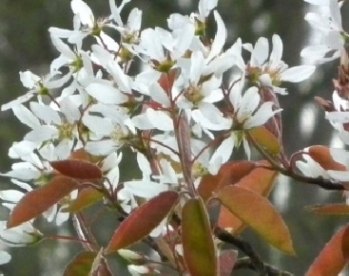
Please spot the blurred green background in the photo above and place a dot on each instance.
(25, 44)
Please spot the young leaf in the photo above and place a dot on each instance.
(142, 221)
(38, 201)
(333, 257)
(333, 209)
(229, 173)
(86, 198)
(260, 181)
(78, 169)
(266, 139)
(198, 247)
(81, 265)
(323, 156)
(258, 213)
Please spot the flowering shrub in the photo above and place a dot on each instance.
(193, 101)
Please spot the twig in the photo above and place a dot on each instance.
(246, 263)
(252, 261)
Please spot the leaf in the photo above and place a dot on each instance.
(260, 181)
(322, 155)
(333, 209)
(85, 198)
(81, 265)
(229, 173)
(78, 169)
(333, 257)
(227, 260)
(265, 139)
(198, 246)
(38, 201)
(258, 213)
(142, 221)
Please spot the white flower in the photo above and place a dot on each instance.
(38, 86)
(274, 71)
(248, 113)
(22, 235)
(328, 23)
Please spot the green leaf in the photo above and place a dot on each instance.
(333, 257)
(78, 169)
(38, 201)
(258, 213)
(264, 138)
(85, 198)
(142, 221)
(198, 246)
(81, 265)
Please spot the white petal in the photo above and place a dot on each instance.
(220, 37)
(42, 134)
(45, 113)
(105, 93)
(84, 12)
(159, 119)
(298, 73)
(197, 64)
(4, 257)
(335, 13)
(28, 79)
(146, 189)
(224, 150)
(276, 53)
(248, 103)
(338, 116)
(339, 175)
(260, 52)
(159, 95)
(103, 147)
(11, 195)
(26, 116)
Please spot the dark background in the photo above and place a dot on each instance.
(25, 44)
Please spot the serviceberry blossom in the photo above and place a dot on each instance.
(327, 22)
(248, 113)
(175, 100)
(272, 71)
(38, 86)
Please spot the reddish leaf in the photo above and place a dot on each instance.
(142, 221)
(258, 213)
(38, 201)
(265, 139)
(227, 260)
(198, 247)
(260, 181)
(323, 156)
(81, 154)
(229, 173)
(86, 198)
(333, 257)
(334, 209)
(81, 265)
(78, 169)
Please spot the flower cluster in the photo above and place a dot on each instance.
(182, 115)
